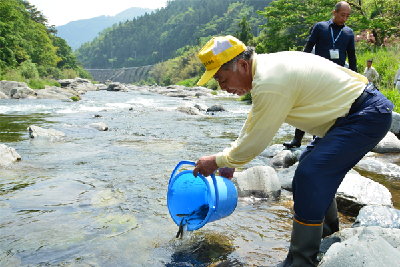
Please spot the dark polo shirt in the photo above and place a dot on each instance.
(322, 38)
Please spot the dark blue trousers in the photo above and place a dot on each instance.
(326, 161)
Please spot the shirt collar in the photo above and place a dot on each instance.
(330, 23)
(253, 66)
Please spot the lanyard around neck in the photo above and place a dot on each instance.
(334, 40)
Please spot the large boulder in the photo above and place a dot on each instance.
(356, 191)
(189, 110)
(22, 93)
(36, 132)
(274, 150)
(3, 96)
(53, 92)
(8, 155)
(286, 176)
(389, 144)
(78, 84)
(6, 86)
(368, 246)
(179, 93)
(201, 94)
(50, 94)
(101, 86)
(395, 128)
(201, 107)
(378, 216)
(387, 169)
(117, 87)
(282, 159)
(201, 89)
(84, 85)
(65, 82)
(279, 156)
(216, 108)
(175, 86)
(259, 181)
(19, 90)
(101, 126)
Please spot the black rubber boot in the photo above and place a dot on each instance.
(331, 221)
(304, 245)
(296, 142)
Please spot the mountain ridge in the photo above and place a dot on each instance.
(81, 31)
(167, 33)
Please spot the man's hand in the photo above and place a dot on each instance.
(205, 166)
(226, 172)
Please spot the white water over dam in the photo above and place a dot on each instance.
(123, 75)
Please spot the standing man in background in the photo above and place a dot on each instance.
(370, 72)
(333, 40)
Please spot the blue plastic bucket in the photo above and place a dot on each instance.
(186, 194)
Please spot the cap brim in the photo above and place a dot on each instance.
(207, 76)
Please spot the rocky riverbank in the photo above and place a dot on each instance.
(374, 238)
(78, 87)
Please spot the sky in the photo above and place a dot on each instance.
(60, 12)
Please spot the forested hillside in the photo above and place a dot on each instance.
(29, 47)
(78, 32)
(155, 37)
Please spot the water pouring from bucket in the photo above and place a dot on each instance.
(193, 202)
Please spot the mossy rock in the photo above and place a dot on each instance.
(75, 98)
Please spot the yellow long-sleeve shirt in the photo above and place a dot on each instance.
(304, 90)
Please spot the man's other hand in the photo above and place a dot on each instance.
(226, 172)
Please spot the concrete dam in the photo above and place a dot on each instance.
(124, 75)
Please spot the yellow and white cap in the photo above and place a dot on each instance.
(217, 52)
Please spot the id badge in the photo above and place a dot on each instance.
(334, 53)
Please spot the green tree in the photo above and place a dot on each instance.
(41, 49)
(11, 42)
(245, 35)
(64, 51)
(381, 17)
(22, 38)
(28, 46)
(289, 21)
(37, 16)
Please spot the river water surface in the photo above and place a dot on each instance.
(100, 198)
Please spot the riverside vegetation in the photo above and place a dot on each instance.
(30, 51)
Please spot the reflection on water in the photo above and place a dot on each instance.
(13, 127)
(100, 198)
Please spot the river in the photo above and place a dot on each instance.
(100, 198)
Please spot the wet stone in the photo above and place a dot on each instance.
(378, 216)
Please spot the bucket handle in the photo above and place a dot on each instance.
(212, 177)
